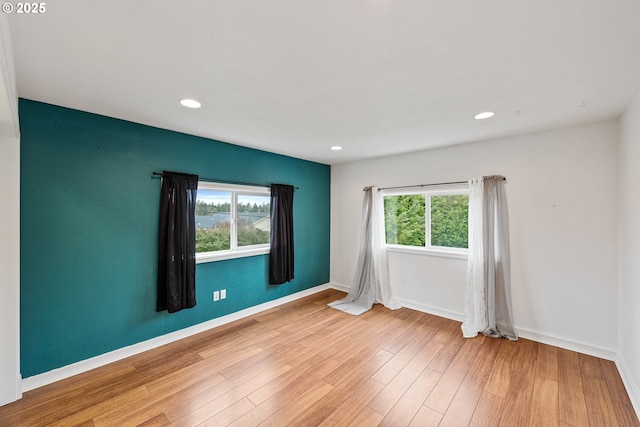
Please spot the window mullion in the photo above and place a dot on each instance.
(234, 221)
(427, 219)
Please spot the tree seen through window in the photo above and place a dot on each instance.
(407, 223)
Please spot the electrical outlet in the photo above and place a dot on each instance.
(404, 281)
(216, 295)
(223, 294)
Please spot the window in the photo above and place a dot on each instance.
(231, 221)
(428, 220)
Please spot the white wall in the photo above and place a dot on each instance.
(10, 384)
(10, 388)
(628, 358)
(561, 188)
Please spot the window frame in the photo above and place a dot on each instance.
(428, 192)
(234, 251)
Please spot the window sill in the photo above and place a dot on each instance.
(223, 255)
(456, 254)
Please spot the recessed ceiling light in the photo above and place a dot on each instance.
(336, 148)
(190, 103)
(484, 115)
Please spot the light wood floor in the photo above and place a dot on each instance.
(305, 364)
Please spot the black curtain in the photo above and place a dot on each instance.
(281, 255)
(177, 242)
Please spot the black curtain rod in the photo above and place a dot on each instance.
(428, 185)
(222, 181)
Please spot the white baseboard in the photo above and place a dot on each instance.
(633, 388)
(579, 347)
(414, 305)
(340, 287)
(43, 379)
(58, 374)
(524, 333)
(447, 314)
(19, 387)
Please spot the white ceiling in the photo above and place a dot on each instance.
(295, 77)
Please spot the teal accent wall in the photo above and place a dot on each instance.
(89, 218)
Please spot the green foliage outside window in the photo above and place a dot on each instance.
(204, 208)
(219, 237)
(405, 221)
(249, 235)
(450, 221)
(213, 239)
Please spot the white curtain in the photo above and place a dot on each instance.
(371, 279)
(488, 291)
